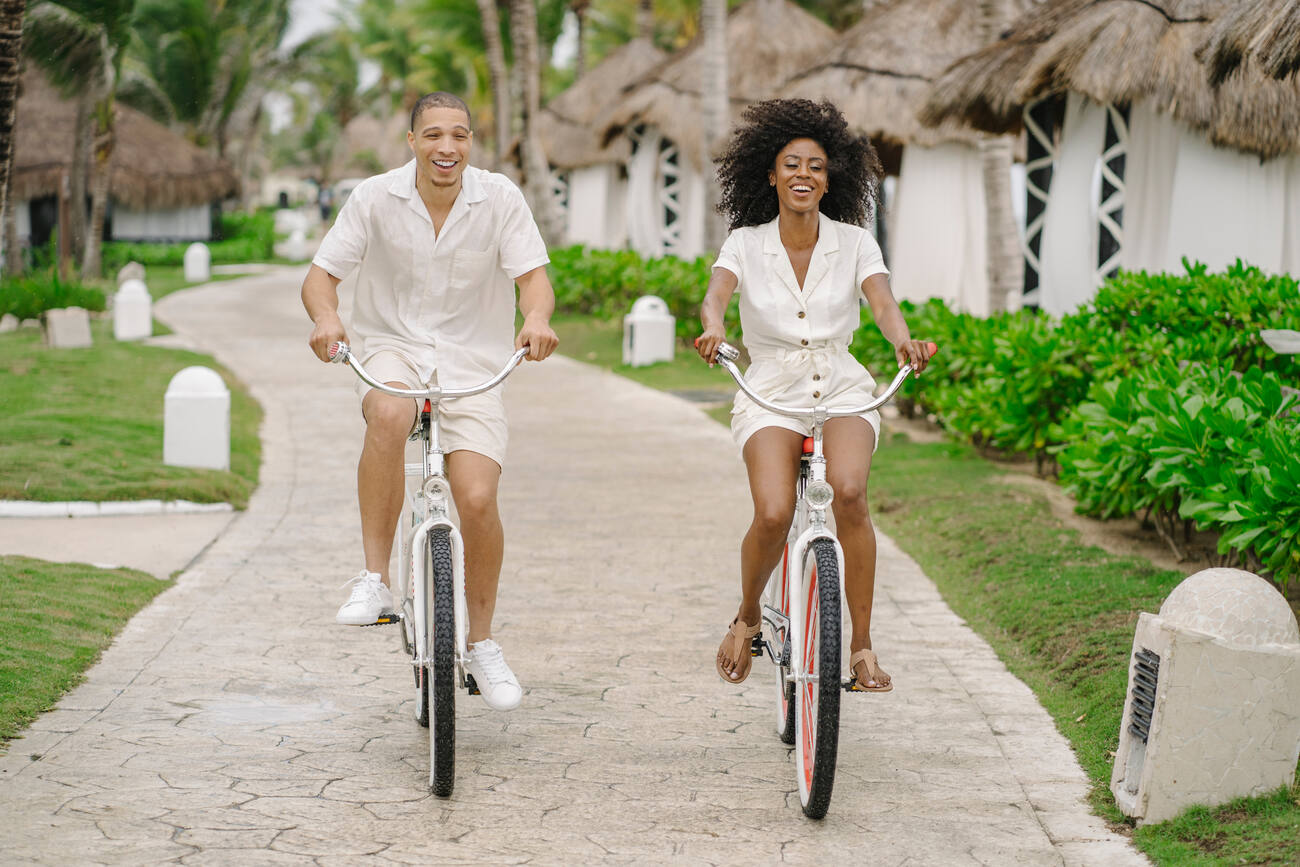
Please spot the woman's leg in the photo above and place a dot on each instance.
(772, 459)
(847, 444)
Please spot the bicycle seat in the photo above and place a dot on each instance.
(807, 445)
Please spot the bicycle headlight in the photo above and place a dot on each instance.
(819, 495)
(436, 490)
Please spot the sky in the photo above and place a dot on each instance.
(307, 17)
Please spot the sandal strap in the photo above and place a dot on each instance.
(859, 656)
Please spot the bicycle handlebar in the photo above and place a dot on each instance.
(340, 352)
(727, 355)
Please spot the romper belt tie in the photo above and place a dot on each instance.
(820, 357)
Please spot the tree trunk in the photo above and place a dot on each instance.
(11, 52)
(645, 19)
(496, 59)
(537, 174)
(103, 152)
(1005, 262)
(78, 174)
(245, 170)
(713, 114)
(580, 10)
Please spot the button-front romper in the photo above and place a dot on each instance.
(798, 340)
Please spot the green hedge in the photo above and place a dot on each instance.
(604, 283)
(30, 296)
(244, 238)
(1112, 389)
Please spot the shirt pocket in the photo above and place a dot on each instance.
(470, 272)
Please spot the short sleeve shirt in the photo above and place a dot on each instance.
(445, 301)
(774, 313)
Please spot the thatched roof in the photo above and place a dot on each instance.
(1119, 51)
(881, 69)
(1268, 31)
(567, 124)
(151, 166)
(768, 42)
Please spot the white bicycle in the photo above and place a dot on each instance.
(431, 574)
(801, 604)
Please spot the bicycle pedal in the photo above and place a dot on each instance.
(386, 618)
(471, 685)
(756, 645)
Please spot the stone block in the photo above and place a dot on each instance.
(196, 420)
(198, 263)
(8, 322)
(132, 311)
(67, 328)
(130, 271)
(649, 332)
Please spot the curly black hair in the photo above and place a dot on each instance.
(853, 168)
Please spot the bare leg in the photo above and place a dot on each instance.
(847, 445)
(772, 459)
(380, 472)
(474, 480)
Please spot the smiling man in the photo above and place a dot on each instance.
(438, 247)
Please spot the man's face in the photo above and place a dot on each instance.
(441, 143)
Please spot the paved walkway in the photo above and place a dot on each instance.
(233, 723)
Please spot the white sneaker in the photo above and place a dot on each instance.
(370, 598)
(495, 681)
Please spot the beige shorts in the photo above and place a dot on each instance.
(841, 381)
(476, 423)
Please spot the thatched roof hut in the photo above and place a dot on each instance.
(151, 167)
(1268, 31)
(881, 69)
(770, 40)
(1119, 52)
(567, 124)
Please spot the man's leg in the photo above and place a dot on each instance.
(380, 473)
(474, 482)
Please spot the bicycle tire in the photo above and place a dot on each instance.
(442, 727)
(421, 697)
(818, 718)
(779, 598)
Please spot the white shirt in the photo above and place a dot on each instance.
(446, 301)
(775, 315)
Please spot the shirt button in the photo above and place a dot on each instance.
(803, 342)
(817, 394)
(817, 377)
(802, 314)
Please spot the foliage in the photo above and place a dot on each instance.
(30, 296)
(245, 238)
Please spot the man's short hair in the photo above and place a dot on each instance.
(439, 99)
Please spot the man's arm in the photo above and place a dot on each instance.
(536, 303)
(320, 296)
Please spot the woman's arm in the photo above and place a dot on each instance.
(722, 285)
(889, 319)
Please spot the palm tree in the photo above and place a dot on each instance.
(713, 31)
(1005, 261)
(11, 53)
(523, 32)
(499, 77)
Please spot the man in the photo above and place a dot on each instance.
(438, 246)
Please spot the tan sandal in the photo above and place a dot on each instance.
(874, 671)
(739, 638)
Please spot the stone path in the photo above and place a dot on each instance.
(233, 723)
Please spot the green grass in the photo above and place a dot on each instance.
(55, 621)
(87, 424)
(1059, 613)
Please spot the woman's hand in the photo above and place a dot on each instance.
(707, 343)
(914, 352)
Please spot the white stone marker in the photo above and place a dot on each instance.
(1214, 690)
(132, 311)
(198, 263)
(8, 322)
(130, 271)
(196, 420)
(649, 332)
(67, 328)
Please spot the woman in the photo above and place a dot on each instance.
(797, 187)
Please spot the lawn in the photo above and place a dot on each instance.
(1059, 613)
(87, 424)
(55, 620)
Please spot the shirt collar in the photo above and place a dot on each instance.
(403, 186)
(828, 240)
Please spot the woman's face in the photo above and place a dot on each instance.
(800, 175)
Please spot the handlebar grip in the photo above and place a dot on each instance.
(338, 351)
(932, 348)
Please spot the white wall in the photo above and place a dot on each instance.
(172, 224)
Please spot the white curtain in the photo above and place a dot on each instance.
(644, 212)
(1225, 205)
(173, 224)
(1069, 250)
(937, 235)
(690, 199)
(24, 217)
(1149, 179)
(588, 215)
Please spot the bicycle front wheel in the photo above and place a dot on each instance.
(441, 669)
(817, 679)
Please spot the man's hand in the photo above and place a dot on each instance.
(328, 330)
(538, 336)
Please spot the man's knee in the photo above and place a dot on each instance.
(388, 418)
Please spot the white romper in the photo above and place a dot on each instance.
(798, 341)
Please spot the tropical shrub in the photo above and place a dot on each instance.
(29, 296)
(244, 238)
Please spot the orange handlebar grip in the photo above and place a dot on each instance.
(933, 348)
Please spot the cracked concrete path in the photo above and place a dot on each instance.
(233, 723)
